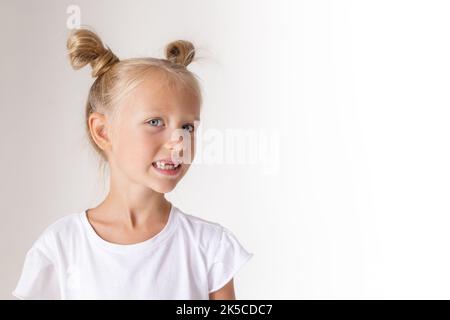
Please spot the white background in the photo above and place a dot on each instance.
(358, 92)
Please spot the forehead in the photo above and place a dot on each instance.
(158, 94)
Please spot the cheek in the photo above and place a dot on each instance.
(136, 147)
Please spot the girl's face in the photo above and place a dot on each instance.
(148, 128)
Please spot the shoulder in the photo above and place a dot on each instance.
(59, 233)
(198, 226)
(205, 233)
(63, 226)
(213, 238)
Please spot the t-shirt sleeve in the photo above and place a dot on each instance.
(38, 279)
(230, 256)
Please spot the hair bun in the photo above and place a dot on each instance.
(180, 51)
(85, 47)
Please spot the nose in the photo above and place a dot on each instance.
(174, 143)
(175, 148)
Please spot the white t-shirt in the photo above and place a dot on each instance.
(188, 259)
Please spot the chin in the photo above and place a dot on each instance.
(163, 188)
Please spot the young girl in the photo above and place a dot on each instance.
(135, 244)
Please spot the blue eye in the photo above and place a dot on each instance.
(154, 122)
(191, 127)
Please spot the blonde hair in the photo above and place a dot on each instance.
(116, 78)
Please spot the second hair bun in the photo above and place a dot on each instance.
(181, 52)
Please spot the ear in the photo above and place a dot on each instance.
(98, 127)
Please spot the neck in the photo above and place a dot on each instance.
(134, 205)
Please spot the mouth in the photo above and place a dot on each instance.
(167, 167)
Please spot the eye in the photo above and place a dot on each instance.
(190, 126)
(154, 122)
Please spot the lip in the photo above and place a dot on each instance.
(172, 173)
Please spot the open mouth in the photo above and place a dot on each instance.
(166, 168)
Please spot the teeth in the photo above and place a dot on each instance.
(165, 166)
